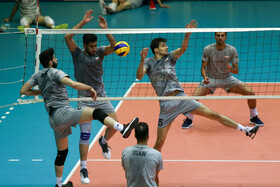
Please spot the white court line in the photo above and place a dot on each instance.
(229, 161)
(97, 136)
(13, 160)
(37, 160)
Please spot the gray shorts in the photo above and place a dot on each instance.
(135, 3)
(170, 109)
(225, 84)
(106, 106)
(62, 119)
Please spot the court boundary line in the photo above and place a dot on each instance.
(180, 160)
(97, 135)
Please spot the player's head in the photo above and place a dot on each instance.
(90, 43)
(142, 132)
(47, 58)
(158, 46)
(220, 37)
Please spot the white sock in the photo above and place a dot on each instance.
(253, 112)
(241, 128)
(103, 140)
(118, 126)
(190, 116)
(83, 164)
(59, 181)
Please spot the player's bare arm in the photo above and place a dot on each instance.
(27, 90)
(110, 48)
(71, 44)
(203, 72)
(141, 71)
(233, 68)
(178, 52)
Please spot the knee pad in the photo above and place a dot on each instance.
(99, 115)
(113, 6)
(85, 133)
(48, 20)
(60, 158)
(24, 21)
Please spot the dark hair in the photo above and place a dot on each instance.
(46, 56)
(87, 38)
(217, 32)
(155, 43)
(141, 131)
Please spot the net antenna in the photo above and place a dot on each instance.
(258, 50)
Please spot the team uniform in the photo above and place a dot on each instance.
(89, 70)
(28, 12)
(217, 70)
(141, 163)
(61, 115)
(163, 78)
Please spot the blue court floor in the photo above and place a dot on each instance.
(26, 140)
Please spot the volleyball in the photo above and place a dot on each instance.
(122, 48)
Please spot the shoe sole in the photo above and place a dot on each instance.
(191, 125)
(130, 127)
(260, 125)
(256, 128)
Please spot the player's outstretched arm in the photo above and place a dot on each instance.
(178, 53)
(69, 37)
(79, 86)
(13, 12)
(110, 48)
(26, 89)
(141, 71)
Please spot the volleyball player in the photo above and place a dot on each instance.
(141, 163)
(88, 67)
(62, 116)
(28, 13)
(161, 72)
(216, 72)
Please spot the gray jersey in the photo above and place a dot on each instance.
(28, 7)
(162, 74)
(141, 164)
(89, 70)
(217, 60)
(53, 91)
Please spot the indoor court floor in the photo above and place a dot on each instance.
(207, 155)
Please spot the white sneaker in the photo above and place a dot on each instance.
(103, 7)
(84, 176)
(106, 152)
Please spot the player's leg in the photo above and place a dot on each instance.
(244, 89)
(89, 114)
(199, 91)
(161, 137)
(62, 151)
(208, 113)
(25, 22)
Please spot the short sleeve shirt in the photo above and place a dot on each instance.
(141, 163)
(27, 7)
(218, 60)
(89, 70)
(162, 74)
(53, 91)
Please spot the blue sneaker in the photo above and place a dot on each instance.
(187, 124)
(256, 121)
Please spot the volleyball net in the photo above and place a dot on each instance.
(258, 50)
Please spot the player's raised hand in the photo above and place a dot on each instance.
(102, 22)
(144, 52)
(87, 17)
(192, 24)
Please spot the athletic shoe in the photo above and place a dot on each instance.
(103, 7)
(61, 26)
(84, 176)
(187, 124)
(129, 127)
(256, 121)
(69, 184)
(152, 5)
(106, 152)
(252, 131)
